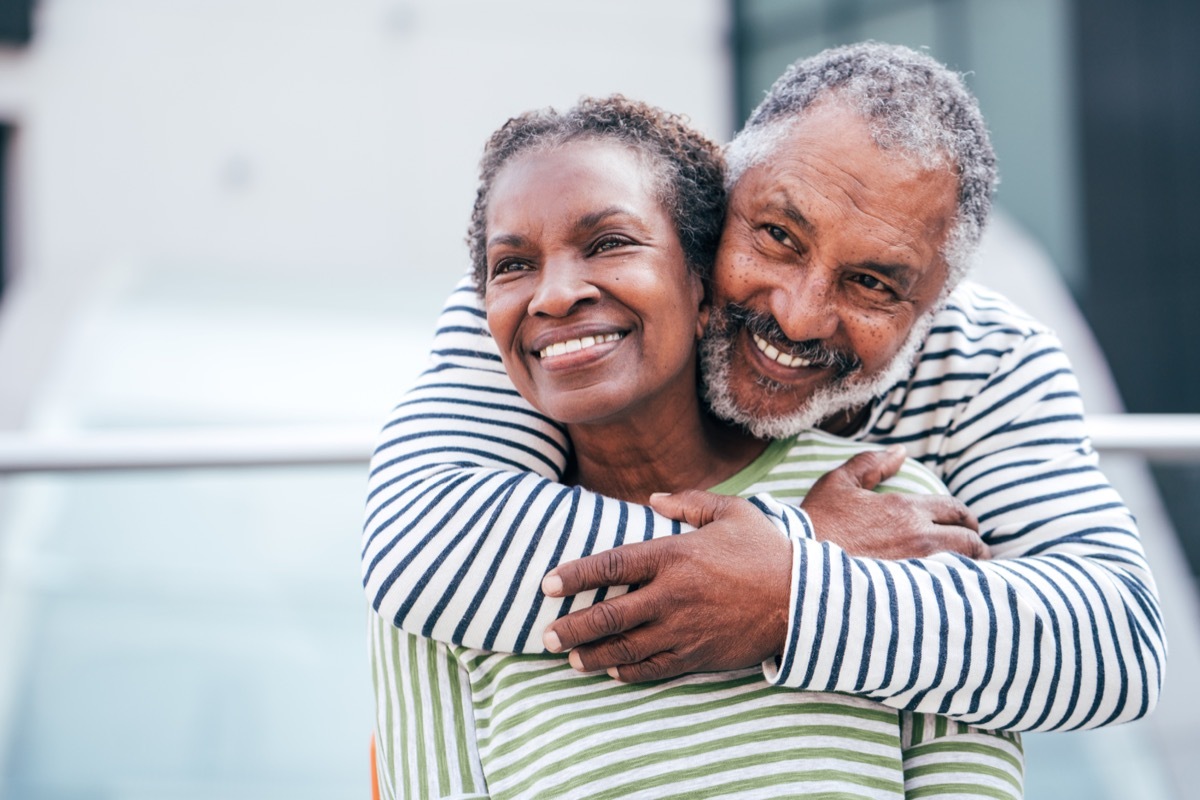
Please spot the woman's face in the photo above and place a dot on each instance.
(588, 297)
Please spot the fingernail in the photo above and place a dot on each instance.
(896, 450)
(659, 494)
(576, 661)
(552, 642)
(552, 585)
(613, 673)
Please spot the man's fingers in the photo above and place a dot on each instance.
(945, 510)
(615, 651)
(606, 619)
(964, 541)
(621, 566)
(868, 470)
(695, 507)
(656, 667)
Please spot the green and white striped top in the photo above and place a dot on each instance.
(458, 722)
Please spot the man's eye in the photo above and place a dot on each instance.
(871, 282)
(780, 235)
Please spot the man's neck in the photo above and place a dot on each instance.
(846, 423)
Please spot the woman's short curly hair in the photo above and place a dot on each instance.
(687, 169)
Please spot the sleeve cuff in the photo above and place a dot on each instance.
(778, 669)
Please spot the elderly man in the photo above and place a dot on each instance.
(859, 189)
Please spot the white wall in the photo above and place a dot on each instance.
(327, 144)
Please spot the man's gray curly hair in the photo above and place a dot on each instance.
(911, 102)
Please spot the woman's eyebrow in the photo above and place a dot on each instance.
(593, 219)
(506, 239)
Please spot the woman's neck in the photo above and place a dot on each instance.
(657, 452)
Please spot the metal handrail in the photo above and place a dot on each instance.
(185, 449)
(1157, 437)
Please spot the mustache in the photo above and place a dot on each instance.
(732, 318)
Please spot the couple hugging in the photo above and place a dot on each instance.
(899, 551)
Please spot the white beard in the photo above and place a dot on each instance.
(846, 394)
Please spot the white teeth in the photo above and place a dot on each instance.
(786, 359)
(574, 345)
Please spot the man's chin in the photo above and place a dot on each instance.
(783, 418)
(765, 408)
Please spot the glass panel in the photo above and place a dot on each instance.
(186, 634)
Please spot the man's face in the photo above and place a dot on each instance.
(826, 276)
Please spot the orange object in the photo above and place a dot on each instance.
(374, 772)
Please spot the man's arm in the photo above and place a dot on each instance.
(464, 516)
(1079, 601)
(1061, 630)
(444, 514)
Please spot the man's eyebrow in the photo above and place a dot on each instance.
(793, 213)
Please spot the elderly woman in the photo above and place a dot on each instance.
(592, 237)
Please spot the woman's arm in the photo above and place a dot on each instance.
(424, 720)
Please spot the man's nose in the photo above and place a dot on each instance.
(563, 285)
(806, 308)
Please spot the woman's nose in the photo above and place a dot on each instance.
(562, 286)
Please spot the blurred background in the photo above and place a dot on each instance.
(226, 215)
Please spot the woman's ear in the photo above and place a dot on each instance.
(703, 300)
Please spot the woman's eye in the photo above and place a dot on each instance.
(609, 243)
(509, 265)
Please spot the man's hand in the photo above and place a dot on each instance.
(845, 511)
(713, 599)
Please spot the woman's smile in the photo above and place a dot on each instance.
(553, 352)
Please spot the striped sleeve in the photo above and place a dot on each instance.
(1061, 631)
(464, 516)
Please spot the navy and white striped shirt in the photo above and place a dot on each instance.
(1061, 630)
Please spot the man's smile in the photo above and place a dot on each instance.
(779, 357)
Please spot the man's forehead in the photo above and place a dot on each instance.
(832, 133)
(843, 159)
(880, 210)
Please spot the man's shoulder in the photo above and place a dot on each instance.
(974, 312)
(972, 351)
(973, 336)
(462, 338)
